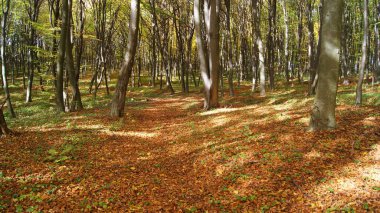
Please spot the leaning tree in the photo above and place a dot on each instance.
(118, 102)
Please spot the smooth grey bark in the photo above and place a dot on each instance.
(363, 61)
(54, 14)
(272, 7)
(256, 9)
(319, 47)
(209, 58)
(76, 103)
(311, 45)
(229, 49)
(5, 12)
(377, 44)
(299, 41)
(61, 56)
(163, 46)
(118, 102)
(286, 39)
(323, 111)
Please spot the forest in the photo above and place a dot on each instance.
(190, 106)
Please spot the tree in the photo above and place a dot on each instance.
(76, 103)
(377, 44)
(363, 61)
(33, 10)
(4, 130)
(61, 55)
(5, 11)
(118, 102)
(229, 48)
(256, 8)
(209, 53)
(323, 111)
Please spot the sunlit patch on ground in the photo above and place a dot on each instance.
(166, 154)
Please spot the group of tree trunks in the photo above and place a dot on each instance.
(326, 59)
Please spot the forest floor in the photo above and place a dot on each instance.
(167, 154)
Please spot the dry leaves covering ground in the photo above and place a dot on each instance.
(252, 154)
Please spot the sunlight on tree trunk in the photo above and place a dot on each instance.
(323, 112)
(118, 102)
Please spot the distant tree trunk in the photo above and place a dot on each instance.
(5, 11)
(54, 16)
(61, 56)
(286, 40)
(270, 41)
(229, 49)
(377, 44)
(323, 112)
(118, 102)
(363, 63)
(319, 47)
(154, 55)
(299, 41)
(256, 9)
(76, 103)
(311, 46)
(80, 44)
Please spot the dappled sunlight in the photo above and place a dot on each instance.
(285, 106)
(226, 110)
(90, 126)
(313, 154)
(370, 121)
(145, 135)
(371, 172)
(168, 150)
(220, 120)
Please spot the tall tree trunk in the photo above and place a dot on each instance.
(209, 59)
(229, 49)
(377, 44)
(270, 41)
(5, 11)
(323, 112)
(76, 103)
(61, 56)
(311, 46)
(256, 10)
(118, 102)
(363, 63)
(286, 40)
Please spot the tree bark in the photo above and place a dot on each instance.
(61, 56)
(209, 58)
(5, 11)
(286, 40)
(377, 44)
(118, 102)
(256, 10)
(363, 63)
(4, 130)
(323, 112)
(76, 103)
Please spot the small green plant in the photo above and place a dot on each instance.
(246, 198)
(117, 125)
(233, 177)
